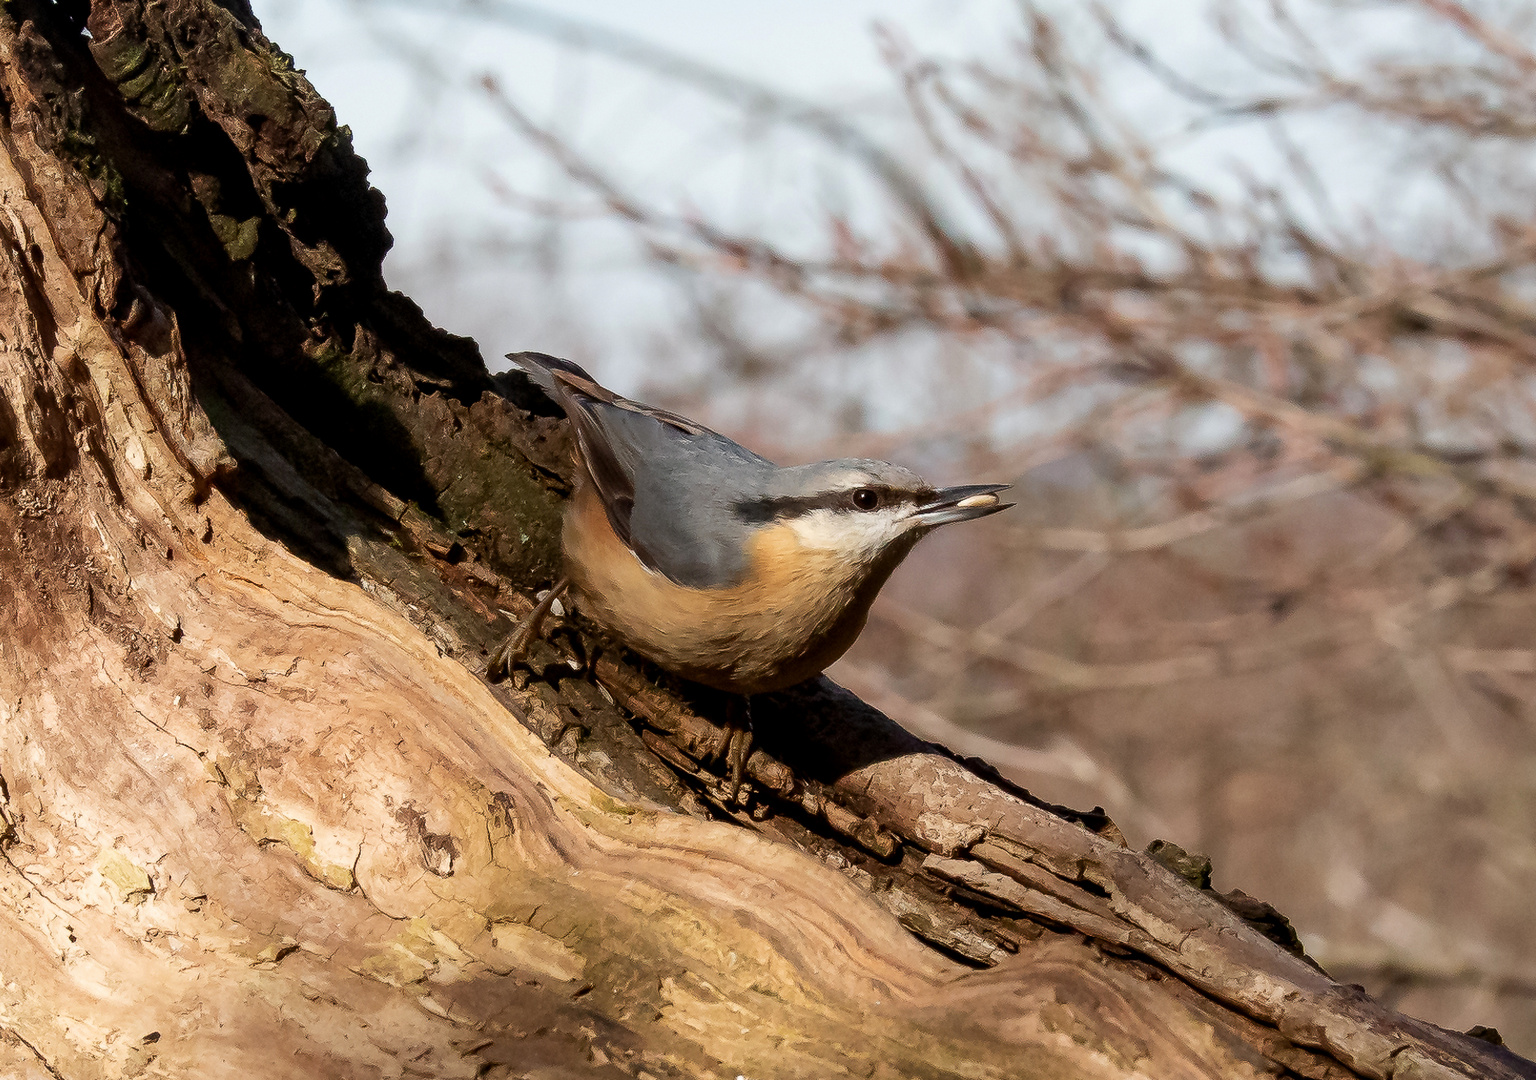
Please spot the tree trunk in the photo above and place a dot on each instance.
(262, 814)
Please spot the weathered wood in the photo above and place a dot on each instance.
(263, 815)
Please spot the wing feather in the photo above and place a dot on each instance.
(551, 372)
(669, 486)
(575, 391)
(669, 535)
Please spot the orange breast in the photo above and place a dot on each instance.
(797, 610)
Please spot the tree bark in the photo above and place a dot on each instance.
(262, 814)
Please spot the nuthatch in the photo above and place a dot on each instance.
(716, 564)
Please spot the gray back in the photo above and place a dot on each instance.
(684, 498)
(687, 486)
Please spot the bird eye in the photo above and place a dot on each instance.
(866, 499)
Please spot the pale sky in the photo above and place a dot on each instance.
(433, 142)
(406, 78)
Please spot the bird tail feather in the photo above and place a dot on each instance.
(541, 368)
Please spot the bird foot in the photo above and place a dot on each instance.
(511, 650)
(515, 646)
(734, 746)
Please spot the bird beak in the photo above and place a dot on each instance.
(959, 504)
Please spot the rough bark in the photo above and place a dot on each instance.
(262, 814)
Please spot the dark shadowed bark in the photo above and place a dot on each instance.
(262, 814)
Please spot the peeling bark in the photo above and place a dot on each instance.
(262, 814)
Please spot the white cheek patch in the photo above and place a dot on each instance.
(852, 535)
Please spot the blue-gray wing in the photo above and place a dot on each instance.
(669, 486)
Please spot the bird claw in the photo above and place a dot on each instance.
(737, 752)
(733, 747)
(511, 651)
(517, 643)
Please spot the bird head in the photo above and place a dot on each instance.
(861, 509)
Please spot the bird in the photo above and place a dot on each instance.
(713, 562)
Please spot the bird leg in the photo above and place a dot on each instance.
(734, 745)
(515, 647)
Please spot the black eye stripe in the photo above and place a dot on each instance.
(777, 508)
